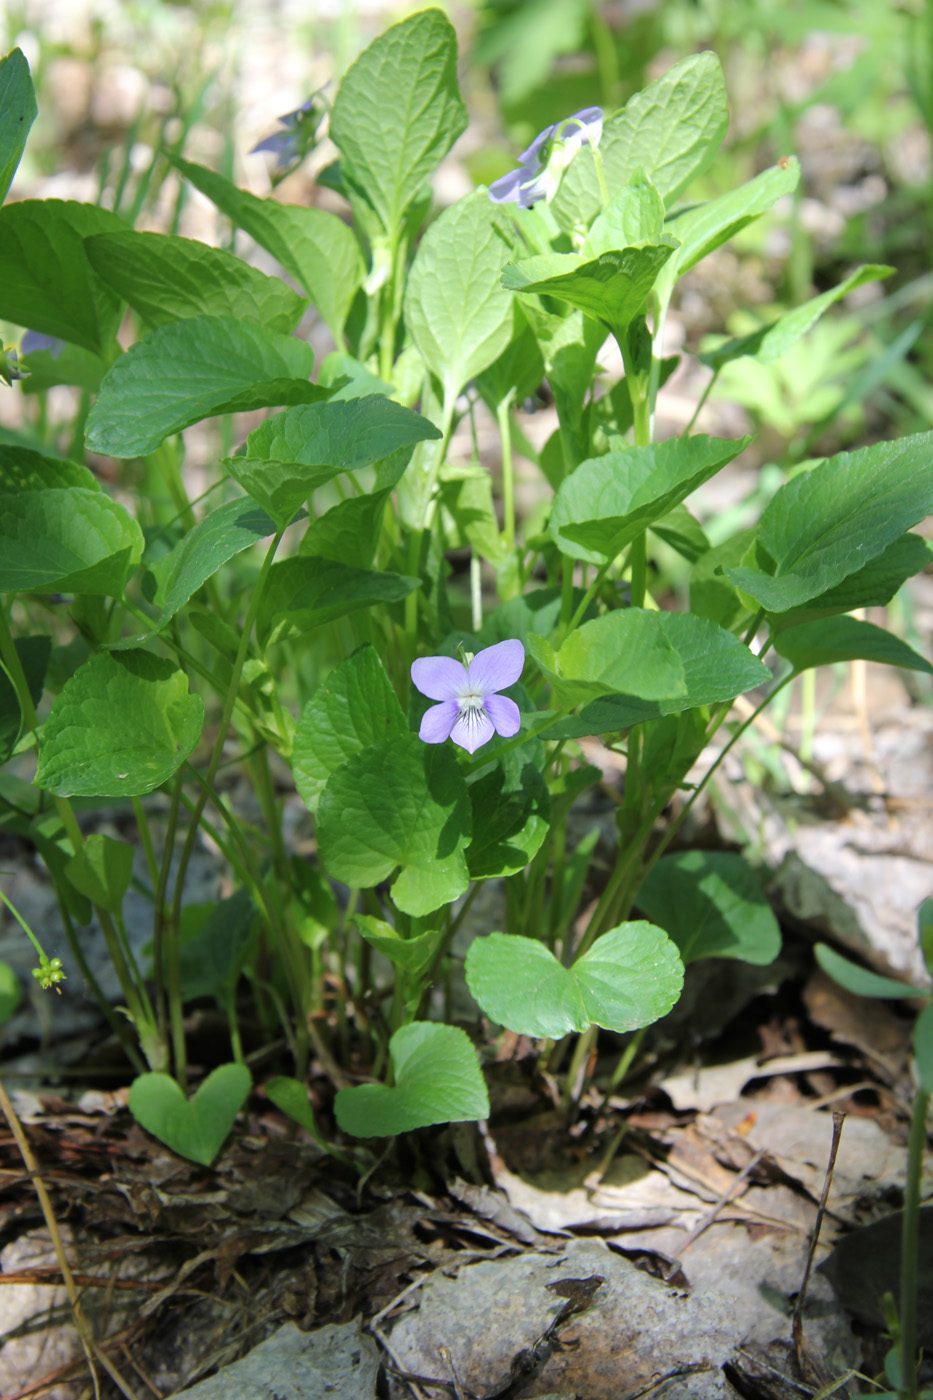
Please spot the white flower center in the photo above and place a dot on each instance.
(469, 702)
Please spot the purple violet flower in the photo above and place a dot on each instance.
(35, 340)
(470, 711)
(541, 167)
(299, 128)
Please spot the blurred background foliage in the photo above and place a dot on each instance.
(847, 85)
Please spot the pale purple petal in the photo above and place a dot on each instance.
(438, 722)
(504, 714)
(531, 156)
(438, 677)
(496, 668)
(472, 728)
(35, 340)
(283, 144)
(591, 119)
(507, 190)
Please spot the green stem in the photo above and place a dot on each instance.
(910, 1236)
(638, 563)
(504, 419)
(626, 1058)
(417, 535)
(699, 408)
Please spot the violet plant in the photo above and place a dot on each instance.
(306, 609)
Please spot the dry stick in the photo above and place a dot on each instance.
(91, 1350)
(724, 1200)
(800, 1347)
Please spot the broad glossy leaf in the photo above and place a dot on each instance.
(629, 978)
(33, 654)
(194, 369)
(18, 111)
(611, 288)
(352, 709)
(610, 500)
(510, 821)
(436, 1079)
(711, 904)
(398, 112)
(828, 523)
(673, 128)
(845, 639)
(197, 556)
(46, 281)
(399, 803)
(773, 341)
(717, 666)
(288, 456)
(167, 278)
(66, 540)
(707, 226)
(621, 653)
(317, 248)
(302, 594)
(683, 532)
(458, 314)
(414, 956)
(121, 726)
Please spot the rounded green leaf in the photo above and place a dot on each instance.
(68, 539)
(711, 904)
(352, 709)
(629, 978)
(621, 653)
(18, 111)
(399, 803)
(437, 1080)
(121, 726)
(194, 1128)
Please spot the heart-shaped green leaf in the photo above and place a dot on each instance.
(194, 1128)
(437, 1080)
(414, 956)
(629, 978)
(398, 803)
